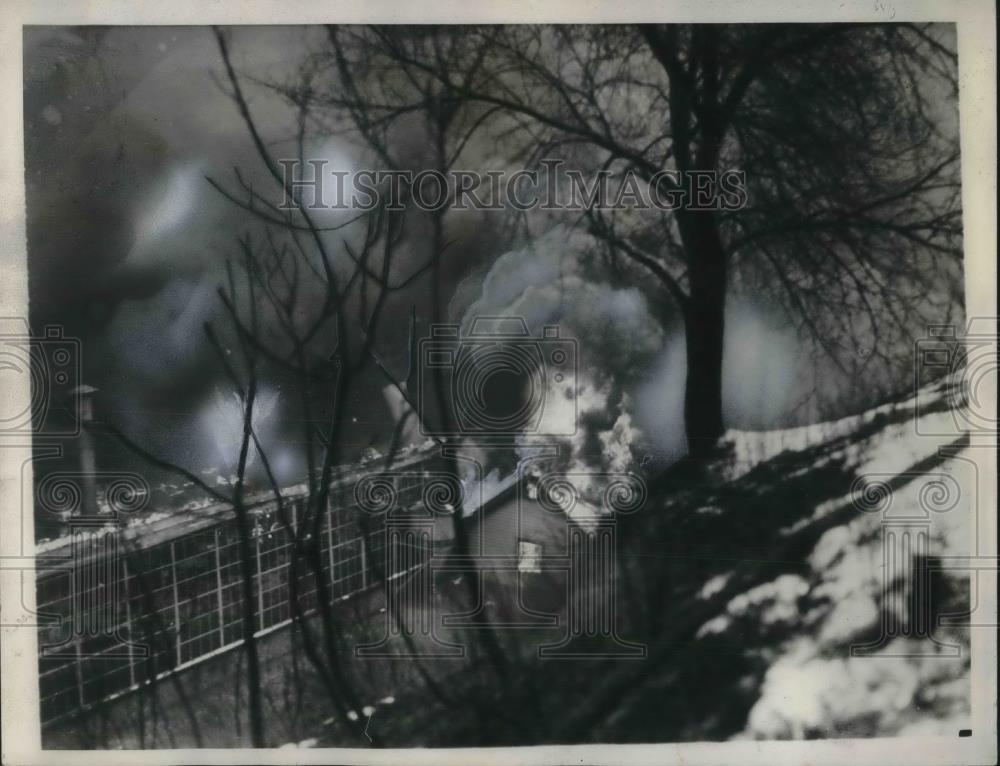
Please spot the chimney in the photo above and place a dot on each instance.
(88, 464)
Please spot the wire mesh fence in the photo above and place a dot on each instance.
(123, 611)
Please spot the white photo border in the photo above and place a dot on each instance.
(976, 34)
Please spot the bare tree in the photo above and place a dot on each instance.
(312, 344)
(245, 385)
(274, 324)
(851, 218)
(844, 133)
(360, 89)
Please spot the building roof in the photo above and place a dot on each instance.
(174, 510)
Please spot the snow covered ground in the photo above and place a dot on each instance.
(854, 662)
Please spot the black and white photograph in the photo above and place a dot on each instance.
(442, 381)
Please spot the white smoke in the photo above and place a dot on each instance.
(169, 207)
(552, 281)
(223, 416)
(403, 415)
(617, 443)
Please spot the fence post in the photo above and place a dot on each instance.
(329, 540)
(177, 601)
(364, 561)
(79, 671)
(260, 585)
(127, 596)
(218, 590)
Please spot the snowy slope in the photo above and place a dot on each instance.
(852, 661)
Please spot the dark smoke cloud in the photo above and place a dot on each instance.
(127, 241)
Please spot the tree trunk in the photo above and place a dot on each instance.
(704, 321)
(247, 561)
(698, 127)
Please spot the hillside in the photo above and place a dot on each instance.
(771, 574)
(750, 580)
